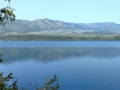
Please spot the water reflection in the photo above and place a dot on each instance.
(79, 68)
(54, 54)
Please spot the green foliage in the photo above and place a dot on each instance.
(48, 85)
(7, 83)
(6, 13)
(8, 0)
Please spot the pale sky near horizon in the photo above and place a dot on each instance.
(84, 11)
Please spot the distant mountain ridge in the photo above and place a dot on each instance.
(25, 26)
(104, 26)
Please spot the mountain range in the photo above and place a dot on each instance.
(25, 26)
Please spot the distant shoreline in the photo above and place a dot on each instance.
(60, 38)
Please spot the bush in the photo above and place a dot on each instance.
(8, 82)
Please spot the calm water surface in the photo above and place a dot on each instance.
(85, 65)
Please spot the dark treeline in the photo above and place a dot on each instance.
(60, 38)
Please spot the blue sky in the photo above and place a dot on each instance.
(85, 11)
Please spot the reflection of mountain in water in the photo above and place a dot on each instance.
(50, 54)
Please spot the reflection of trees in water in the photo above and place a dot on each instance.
(50, 54)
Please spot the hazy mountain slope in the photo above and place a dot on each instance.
(104, 26)
(40, 24)
(46, 24)
(25, 26)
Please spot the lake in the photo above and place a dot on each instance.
(79, 65)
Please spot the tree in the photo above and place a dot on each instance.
(48, 85)
(7, 82)
(6, 13)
